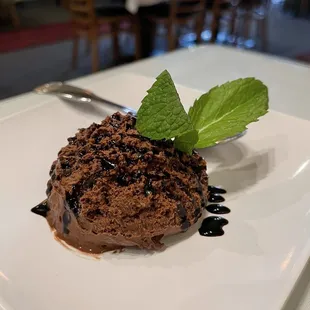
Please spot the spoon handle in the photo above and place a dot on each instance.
(117, 106)
(76, 94)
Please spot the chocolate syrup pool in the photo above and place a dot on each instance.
(212, 226)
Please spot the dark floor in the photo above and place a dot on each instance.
(21, 71)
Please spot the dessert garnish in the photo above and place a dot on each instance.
(132, 181)
(222, 112)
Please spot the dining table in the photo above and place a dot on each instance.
(200, 68)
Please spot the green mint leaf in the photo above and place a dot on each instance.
(227, 109)
(161, 115)
(187, 141)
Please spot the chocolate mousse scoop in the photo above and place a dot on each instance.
(112, 188)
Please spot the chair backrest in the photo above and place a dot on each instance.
(186, 8)
(82, 13)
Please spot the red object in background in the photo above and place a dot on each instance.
(45, 34)
(304, 57)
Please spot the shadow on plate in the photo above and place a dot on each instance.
(235, 167)
(277, 198)
(228, 154)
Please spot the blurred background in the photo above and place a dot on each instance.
(51, 40)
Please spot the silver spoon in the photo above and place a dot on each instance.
(79, 95)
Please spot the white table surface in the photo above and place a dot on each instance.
(289, 91)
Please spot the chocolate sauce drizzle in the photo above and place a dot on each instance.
(183, 215)
(216, 190)
(41, 209)
(66, 220)
(212, 226)
(216, 198)
(72, 199)
(217, 208)
(148, 188)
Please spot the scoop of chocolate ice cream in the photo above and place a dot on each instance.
(112, 188)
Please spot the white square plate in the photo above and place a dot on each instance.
(253, 266)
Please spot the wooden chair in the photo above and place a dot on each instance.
(65, 4)
(8, 7)
(218, 7)
(179, 12)
(87, 22)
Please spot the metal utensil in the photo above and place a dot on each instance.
(79, 95)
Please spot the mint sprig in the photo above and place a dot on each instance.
(187, 141)
(162, 115)
(224, 111)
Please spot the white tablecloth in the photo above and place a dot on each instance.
(289, 85)
(133, 5)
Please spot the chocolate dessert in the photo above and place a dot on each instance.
(130, 182)
(112, 188)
